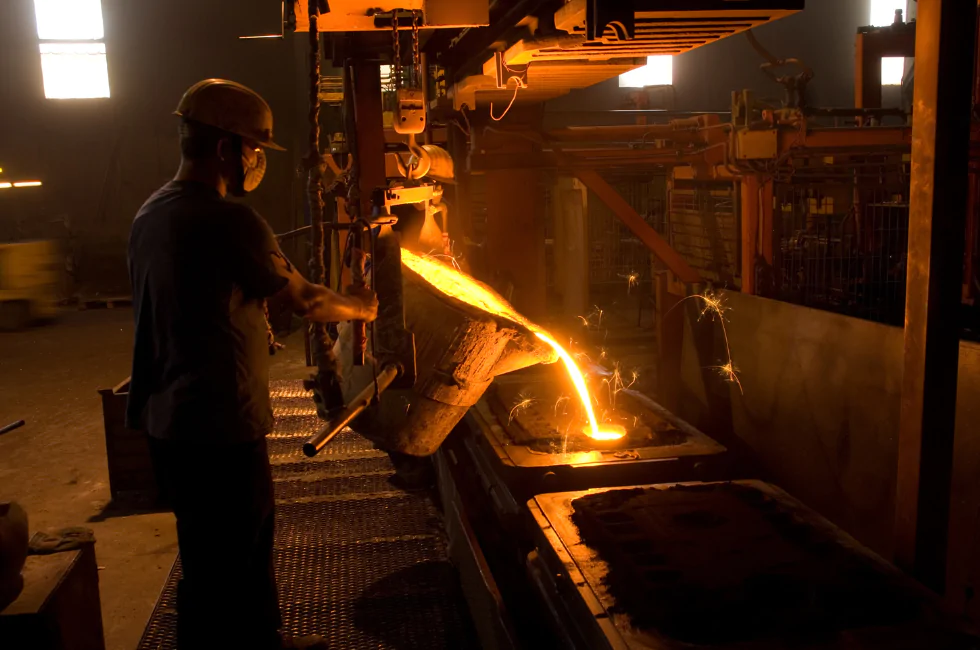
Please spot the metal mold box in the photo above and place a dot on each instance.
(751, 549)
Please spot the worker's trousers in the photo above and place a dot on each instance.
(223, 500)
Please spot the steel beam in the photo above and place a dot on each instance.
(937, 212)
(632, 220)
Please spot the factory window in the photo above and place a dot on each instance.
(659, 71)
(892, 70)
(882, 14)
(72, 47)
(883, 11)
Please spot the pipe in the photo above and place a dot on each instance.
(10, 427)
(354, 408)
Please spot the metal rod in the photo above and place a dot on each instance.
(10, 427)
(354, 408)
(357, 270)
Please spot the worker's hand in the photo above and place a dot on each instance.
(366, 301)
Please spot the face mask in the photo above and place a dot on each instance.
(254, 171)
(251, 172)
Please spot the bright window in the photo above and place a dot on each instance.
(883, 12)
(659, 71)
(892, 70)
(72, 47)
(882, 15)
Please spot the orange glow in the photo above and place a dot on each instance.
(464, 288)
(592, 430)
(609, 432)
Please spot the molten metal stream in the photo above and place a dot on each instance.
(463, 287)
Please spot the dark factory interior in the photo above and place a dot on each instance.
(500, 324)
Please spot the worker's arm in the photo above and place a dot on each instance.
(262, 270)
(321, 304)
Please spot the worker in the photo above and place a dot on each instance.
(201, 268)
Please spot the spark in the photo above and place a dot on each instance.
(730, 373)
(441, 256)
(636, 418)
(523, 402)
(603, 352)
(461, 287)
(593, 320)
(581, 355)
(598, 314)
(632, 280)
(592, 429)
(562, 398)
(714, 304)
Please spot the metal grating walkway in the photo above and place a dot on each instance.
(357, 561)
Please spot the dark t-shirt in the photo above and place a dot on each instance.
(200, 268)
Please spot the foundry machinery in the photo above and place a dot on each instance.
(540, 50)
(562, 540)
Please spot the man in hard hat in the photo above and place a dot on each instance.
(201, 268)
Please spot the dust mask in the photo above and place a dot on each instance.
(254, 170)
(250, 173)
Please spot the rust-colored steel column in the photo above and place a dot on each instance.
(369, 165)
(755, 201)
(938, 203)
(369, 118)
(515, 249)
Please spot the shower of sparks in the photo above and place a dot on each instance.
(593, 320)
(730, 373)
(523, 401)
(632, 279)
(615, 383)
(462, 287)
(714, 304)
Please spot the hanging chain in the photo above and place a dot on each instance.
(314, 186)
(416, 57)
(396, 43)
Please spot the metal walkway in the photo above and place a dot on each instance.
(357, 561)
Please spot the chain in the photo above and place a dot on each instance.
(416, 57)
(314, 185)
(321, 342)
(396, 44)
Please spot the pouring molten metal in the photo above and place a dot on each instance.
(462, 287)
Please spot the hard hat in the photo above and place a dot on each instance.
(231, 107)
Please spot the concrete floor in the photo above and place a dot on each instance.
(55, 466)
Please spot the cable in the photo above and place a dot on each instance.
(520, 84)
